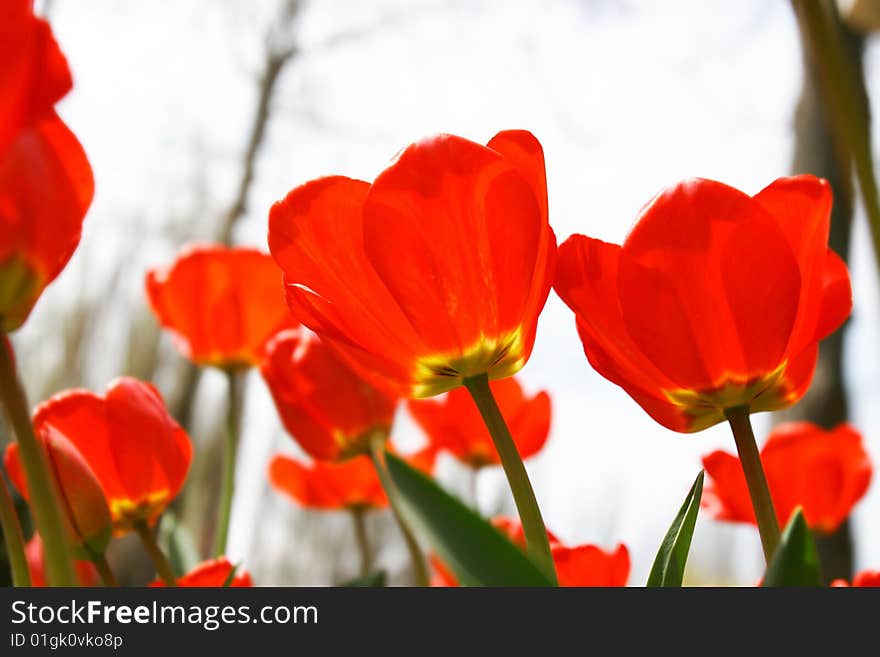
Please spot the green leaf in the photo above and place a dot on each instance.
(668, 568)
(796, 562)
(373, 580)
(474, 550)
(177, 542)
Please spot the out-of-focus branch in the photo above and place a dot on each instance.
(200, 501)
(277, 55)
(817, 152)
(844, 98)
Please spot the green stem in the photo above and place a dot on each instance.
(750, 459)
(42, 490)
(377, 444)
(160, 561)
(12, 536)
(103, 568)
(358, 517)
(233, 420)
(537, 543)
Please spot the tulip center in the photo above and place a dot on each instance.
(767, 392)
(127, 513)
(499, 357)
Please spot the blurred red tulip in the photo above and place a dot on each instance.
(441, 576)
(214, 573)
(435, 272)
(329, 409)
(865, 579)
(85, 508)
(34, 75)
(715, 300)
(328, 486)
(138, 453)
(46, 182)
(86, 574)
(453, 423)
(825, 472)
(585, 565)
(589, 565)
(221, 304)
(331, 486)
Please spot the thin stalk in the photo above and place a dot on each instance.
(43, 493)
(233, 422)
(160, 561)
(12, 536)
(750, 458)
(377, 444)
(103, 568)
(358, 517)
(537, 543)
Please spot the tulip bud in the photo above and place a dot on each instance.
(85, 507)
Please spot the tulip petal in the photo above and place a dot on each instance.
(531, 424)
(727, 495)
(34, 75)
(824, 472)
(801, 205)
(139, 454)
(691, 243)
(140, 425)
(457, 235)
(316, 237)
(586, 280)
(326, 485)
(213, 573)
(524, 151)
(589, 565)
(836, 296)
(326, 406)
(453, 423)
(46, 186)
(222, 304)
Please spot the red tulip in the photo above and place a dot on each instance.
(454, 423)
(351, 484)
(326, 406)
(88, 517)
(46, 182)
(326, 485)
(441, 576)
(138, 453)
(214, 573)
(86, 574)
(585, 565)
(221, 304)
(435, 272)
(34, 75)
(716, 299)
(825, 472)
(866, 578)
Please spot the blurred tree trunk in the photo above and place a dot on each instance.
(816, 152)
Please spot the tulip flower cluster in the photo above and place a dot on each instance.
(420, 292)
